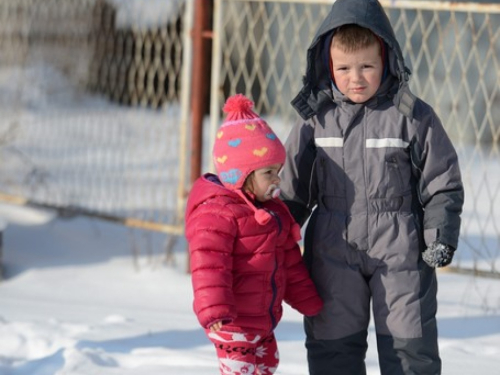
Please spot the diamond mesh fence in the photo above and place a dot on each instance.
(91, 114)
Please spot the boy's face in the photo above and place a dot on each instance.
(264, 181)
(357, 74)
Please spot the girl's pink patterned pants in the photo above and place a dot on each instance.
(245, 353)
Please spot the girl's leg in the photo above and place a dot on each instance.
(267, 355)
(243, 353)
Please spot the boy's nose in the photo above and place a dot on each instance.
(356, 75)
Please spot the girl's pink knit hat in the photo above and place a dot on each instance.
(244, 143)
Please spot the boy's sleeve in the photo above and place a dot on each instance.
(440, 185)
(298, 184)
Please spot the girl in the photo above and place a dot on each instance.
(245, 259)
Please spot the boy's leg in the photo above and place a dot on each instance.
(404, 308)
(336, 338)
(344, 356)
(245, 353)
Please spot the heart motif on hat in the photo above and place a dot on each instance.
(271, 136)
(231, 177)
(250, 127)
(222, 159)
(260, 152)
(234, 142)
(220, 134)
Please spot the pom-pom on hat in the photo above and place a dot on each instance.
(244, 143)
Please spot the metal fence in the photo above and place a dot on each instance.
(454, 53)
(92, 117)
(95, 96)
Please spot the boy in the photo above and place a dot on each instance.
(375, 167)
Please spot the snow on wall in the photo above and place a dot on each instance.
(146, 13)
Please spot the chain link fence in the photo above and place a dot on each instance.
(92, 118)
(453, 52)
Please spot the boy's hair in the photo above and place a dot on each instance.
(352, 38)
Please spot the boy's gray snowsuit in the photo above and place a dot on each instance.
(382, 182)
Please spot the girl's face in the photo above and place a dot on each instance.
(357, 74)
(264, 181)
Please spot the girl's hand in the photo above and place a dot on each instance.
(216, 326)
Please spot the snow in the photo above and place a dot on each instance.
(76, 301)
(82, 296)
(146, 13)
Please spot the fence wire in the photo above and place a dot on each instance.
(453, 51)
(91, 112)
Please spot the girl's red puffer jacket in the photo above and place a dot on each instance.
(241, 270)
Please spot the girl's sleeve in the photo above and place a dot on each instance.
(298, 185)
(210, 232)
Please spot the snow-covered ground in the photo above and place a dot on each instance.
(75, 301)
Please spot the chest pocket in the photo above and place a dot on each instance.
(398, 171)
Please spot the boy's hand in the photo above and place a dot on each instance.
(438, 255)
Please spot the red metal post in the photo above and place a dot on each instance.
(200, 86)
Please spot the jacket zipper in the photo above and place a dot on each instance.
(273, 277)
(273, 287)
(313, 168)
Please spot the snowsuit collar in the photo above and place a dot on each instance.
(317, 90)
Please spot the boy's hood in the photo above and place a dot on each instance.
(365, 13)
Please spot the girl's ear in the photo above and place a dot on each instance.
(248, 184)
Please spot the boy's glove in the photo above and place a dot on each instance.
(438, 255)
